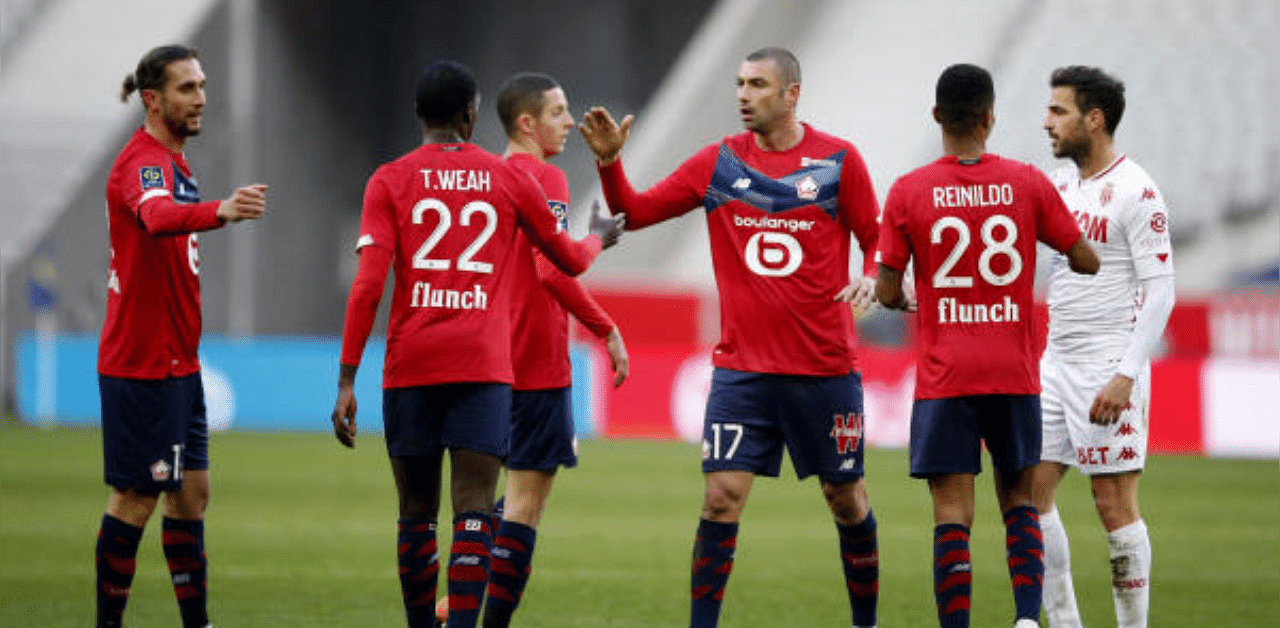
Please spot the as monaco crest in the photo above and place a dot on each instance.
(847, 431)
(1108, 191)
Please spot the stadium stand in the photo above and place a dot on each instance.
(1200, 79)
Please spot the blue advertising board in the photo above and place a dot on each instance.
(257, 383)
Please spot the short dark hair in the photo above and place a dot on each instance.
(443, 92)
(151, 70)
(1094, 89)
(522, 93)
(787, 63)
(964, 95)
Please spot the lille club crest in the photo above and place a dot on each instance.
(160, 471)
(807, 188)
(848, 432)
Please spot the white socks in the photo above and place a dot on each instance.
(1059, 589)
(1130, 573)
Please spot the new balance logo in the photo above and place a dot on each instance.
(1128, 453)
(847, 465)
(1148, 194)
(741, 184)
(1126, 429)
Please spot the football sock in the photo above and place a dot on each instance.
(419, 559)
(468, 567)
(1025, 553)
(1131, 574)
(713, 550)
(116, 560)
(861, 560)
(498, 508)
(1059, 589)
(183, 542)
(952, 574)
(508, 572)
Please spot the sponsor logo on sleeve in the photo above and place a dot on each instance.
(1148, 194)
(151, 177)
(1159, 222)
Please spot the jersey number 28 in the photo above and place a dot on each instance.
(942, 277)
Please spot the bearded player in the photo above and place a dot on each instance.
(1102, 333)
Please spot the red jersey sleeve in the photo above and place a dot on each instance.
(571, 295)
(894, 249)
(573, 257)
(1055, 226)
(154, 205)
(673, 196)
(859, 207)
(377, 219)
(362, 303)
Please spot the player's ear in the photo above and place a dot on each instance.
(525, 123)
(148, 97)
(1095, 120)
(792, 94)
(937, 117)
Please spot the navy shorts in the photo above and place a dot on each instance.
(947, 434)
(426, 420)
(750, 416)
(542, 436)
(153, 430)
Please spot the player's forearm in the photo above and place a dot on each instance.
(889, 291)
(574, 299)
(362, 303)
(570, 256)
(163, 217)
(1149, 325)
(661, 202)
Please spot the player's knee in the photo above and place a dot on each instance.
(848, 501)
(1115, 508)
(131, 506)
(723, 504)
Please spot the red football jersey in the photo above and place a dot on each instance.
(972, 229)
(152, 325)
(779, 224)
(541, 294)
(449, 214)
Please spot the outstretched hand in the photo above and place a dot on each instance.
(604, 136)
(607, 228)
(246, 203)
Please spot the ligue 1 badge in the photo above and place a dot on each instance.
(807, 188)
(151, 176)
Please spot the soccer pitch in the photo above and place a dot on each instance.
(301, 532)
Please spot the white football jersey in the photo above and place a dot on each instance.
(1123, 216)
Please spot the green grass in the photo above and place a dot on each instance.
(302, 533)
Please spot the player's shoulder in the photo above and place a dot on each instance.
(140, 148)
(1064, 174)
(823, 140)
(1132, 177)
